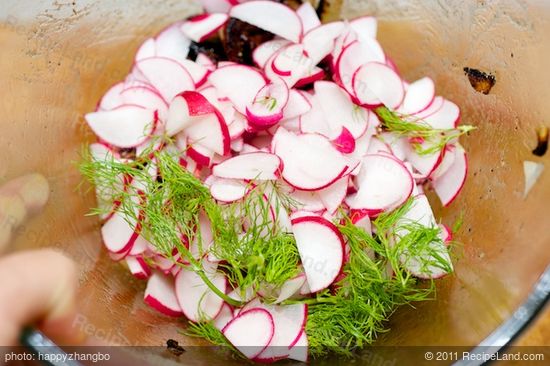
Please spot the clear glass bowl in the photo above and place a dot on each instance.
(59, 57)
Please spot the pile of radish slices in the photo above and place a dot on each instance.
(285, 119)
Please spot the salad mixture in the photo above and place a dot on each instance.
(265, 173)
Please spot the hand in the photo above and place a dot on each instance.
(36, 287)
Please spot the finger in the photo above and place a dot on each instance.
(38, 288)
(20, 198)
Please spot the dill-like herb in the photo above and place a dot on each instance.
(435, 139)
(341, 319)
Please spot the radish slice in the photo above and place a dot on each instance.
(419, 96)
(146, 98)
(160, 295)
(146, 50)
(126, 126)
(446, 117)
(200, 121)
(267, 107)
(291, 287)
(297, 105)
(171, 43)
(350, 60)
(259, 165)
(310, 162)
(197, 72)
(290, 63)
(333, 196)
(196, 299)
(308, 16)
(289, 321)
(217, 6)
(376, 81)
(319, 42)
(532, 172)
(435, 106)
(384, 183)
(448, 186)
(228, 190)
(224, 317)
(423, 264)
(365, 26)
(315, 122)
(321, 249)
(299, 351)
(339, 110)
(138, 267)
(167, 76)
(273, 17)
(203, 26)
(266, 50)
(111, 99)
(250, 331)
(200, 155)
(314, 74)
(424, 164)
(239, 83)
(446, 163)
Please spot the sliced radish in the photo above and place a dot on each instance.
(313, 75)
(307, 201)
(321, 249)
(299, 351)
(203, 26)
(435, 106)
(384, 183)
(339, 110)
(239, 83)
(425, 164)
(291, 287)
(224, 317)
(228, 190)
(146, 98)
(171, 43)
(319, 42)
(217, 6)
(197, 72)
(138, 267)
(111, 99)
(314, 121)
(448, 186)
(267, 107)
(376, 81)
(250, 331)
(259, 165)
(290, 63)
(418, 97)
(352, 57)
(289, 321)
(205, 62)
(364, 26)
(446, 163)
(167, 76)
(160, 295)
(426, 263)
(266, 50)
(200, 121)
(273, 17)
(446, 117)
(333, 195)
(126, 126)
(198, 302)
(308, 16)
(310, 162)
(297, 105)
(146, 50)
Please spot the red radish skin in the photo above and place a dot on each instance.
(160, 295)
(323, 256)
(273, 17)
(267, 107)
(345, 143)
(201, 27)
(250, 331)
(138, 267)
(314, 75)
(200, 158)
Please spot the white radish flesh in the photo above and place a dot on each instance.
(203, 26)
(167, 76)
(321, 249)
(250, 331)
(448, 186)
(378, 80)
(160, 295)
(258, 165)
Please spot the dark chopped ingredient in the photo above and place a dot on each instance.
(542, 142)
(129, 153)
(241, 38)
(213, 48)
(480, 81)
(174, 347)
